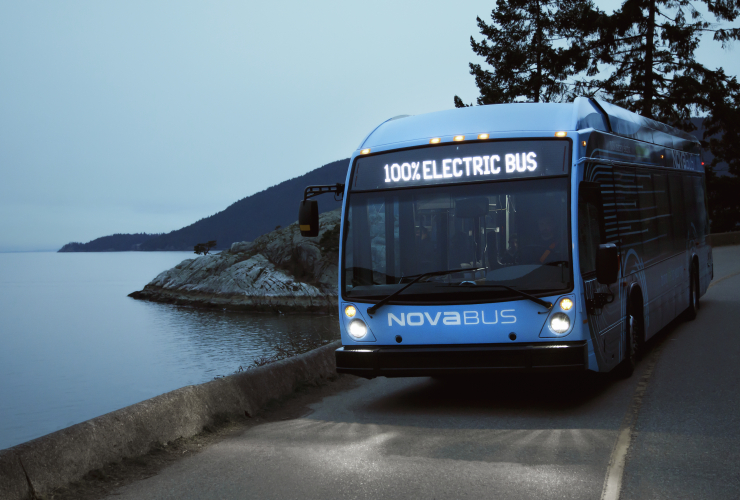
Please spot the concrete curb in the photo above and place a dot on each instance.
(39, 466)
(724, 239)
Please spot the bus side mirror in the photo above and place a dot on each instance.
(607, 264)
(308, 218)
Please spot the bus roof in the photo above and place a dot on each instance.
(581, 114)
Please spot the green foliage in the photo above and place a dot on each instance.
(113, 243)
(204, 248)
(722, 128)
(724, 202)
(532, 49)
(647, 49)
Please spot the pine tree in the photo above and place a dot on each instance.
(533, 47)
(722, 126)
(649, 48)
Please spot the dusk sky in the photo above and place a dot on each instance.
(122, 117)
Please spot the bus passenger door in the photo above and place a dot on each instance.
(597, 224)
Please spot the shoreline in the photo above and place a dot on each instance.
(326, 305)
(42, 465)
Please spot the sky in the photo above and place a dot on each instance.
(146, 116)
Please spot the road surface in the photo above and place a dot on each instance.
(670, 431)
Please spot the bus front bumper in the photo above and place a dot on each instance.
(419, 361)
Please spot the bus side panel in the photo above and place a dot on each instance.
(656, 238)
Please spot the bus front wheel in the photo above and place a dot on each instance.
(626, 368)
(693, 310)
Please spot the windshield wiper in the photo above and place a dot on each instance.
(372, 309)
(534, 299)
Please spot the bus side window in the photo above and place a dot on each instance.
(663, 211)
(692, 208)
(590, 233)
(645, 219)
(678, 213)
(630, 201)
(701, 206)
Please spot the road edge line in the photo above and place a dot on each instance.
(618, 459)
(722, 279)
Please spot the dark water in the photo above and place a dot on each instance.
(73, 346)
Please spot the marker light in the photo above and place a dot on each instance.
(561, 134)
(566, 304)
(350, 311)
(365, 151)
(483, 136)
(583, 143)
(436, 140)
(459, 138)
(358, 329)
(559, 323)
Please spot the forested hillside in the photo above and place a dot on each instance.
(113, 243)
(254, 215)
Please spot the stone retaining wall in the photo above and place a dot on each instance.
(39, 466)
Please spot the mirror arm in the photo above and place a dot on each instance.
(311, 191)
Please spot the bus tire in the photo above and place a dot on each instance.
(693, 310)
(626, 368)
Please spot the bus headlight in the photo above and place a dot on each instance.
(559, 323)
(358, 329)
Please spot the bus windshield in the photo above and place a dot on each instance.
(507, 233)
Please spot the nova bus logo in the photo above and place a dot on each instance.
(452, 318)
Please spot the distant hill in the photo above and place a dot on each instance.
(254, 215)
(244, 220)
(113, 243)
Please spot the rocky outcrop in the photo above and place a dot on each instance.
(280, 271)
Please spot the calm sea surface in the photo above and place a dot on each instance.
(73, 346)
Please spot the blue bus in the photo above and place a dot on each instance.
(531, 237)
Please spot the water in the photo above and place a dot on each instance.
(73, 345)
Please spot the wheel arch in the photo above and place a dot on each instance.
(694, 261)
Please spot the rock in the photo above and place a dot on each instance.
(241, 246)
(279, 271)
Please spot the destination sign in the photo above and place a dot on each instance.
(455, 163)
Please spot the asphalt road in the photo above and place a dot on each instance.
(670, 431)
